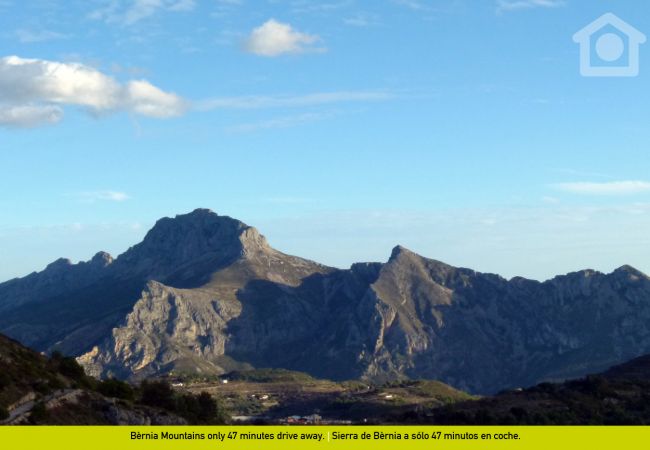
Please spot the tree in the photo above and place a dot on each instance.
(158, 394)
(116, 389)
(4, 414)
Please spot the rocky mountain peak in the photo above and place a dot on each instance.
(630, 271)
(191, 235)
(61, 263)
(252, 241)
(201, 236)
(101, 259)
(400, 251)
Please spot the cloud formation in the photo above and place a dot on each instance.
(278, 122)
(94, 196)
(33, 92)
(30, 36)
(275, 38)
(608, 188)
(292, 101)
(514, 5)
(129, 12)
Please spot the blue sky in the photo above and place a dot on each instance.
(460, 129)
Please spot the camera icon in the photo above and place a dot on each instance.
(609, 47)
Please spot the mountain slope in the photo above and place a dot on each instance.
(619, 396)
(207, 293)
(38, 390)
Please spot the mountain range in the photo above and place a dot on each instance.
(206, 293)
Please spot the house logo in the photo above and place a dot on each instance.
(609, 47)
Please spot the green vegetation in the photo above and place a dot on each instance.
(116, 389)
(620, 396)
(201, 409)
(593, 400)
(27, 372)
(39, 414)
(4, 414)
(270, 376)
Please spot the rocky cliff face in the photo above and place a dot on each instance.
(207, 293)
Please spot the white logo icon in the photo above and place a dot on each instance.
(609, 47)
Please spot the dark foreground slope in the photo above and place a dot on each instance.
(619, 396)
(38, 390)
(206, 294)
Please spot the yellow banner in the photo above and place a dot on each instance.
(324, 437)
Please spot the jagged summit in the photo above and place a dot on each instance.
(202, 230)
(58, 264)
(630, 271)
(401, 256)
(201, 235)
(102, 259)
(400, 250)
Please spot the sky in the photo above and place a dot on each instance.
(460, 129)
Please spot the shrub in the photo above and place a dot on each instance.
(38, 413)
(70, 368)
(158, 394)
(4, 414)
(5, 380)
(116, 389)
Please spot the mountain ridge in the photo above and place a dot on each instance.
(208, 293)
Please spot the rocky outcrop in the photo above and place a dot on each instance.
(206, 293)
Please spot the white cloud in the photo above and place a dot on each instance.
(129, 12)
(29, 116)
(274, 38)
(94, 196)
(607, 188)
(148, 100)
(293, 101)
(34, 90)
(514, 5)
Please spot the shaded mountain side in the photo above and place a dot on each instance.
(206, 293)
(60, 277)
(619, 396)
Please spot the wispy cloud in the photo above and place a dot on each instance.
(515, 5)
(275, 38)
(225, 7)
(278, 122)
(30, 36)
(289, 200)
(311, 7)
(581, 173)
(607, 188)
(550, 200)
(96, 196)
(33, 92)
(292, 101)
(361, 20)
(416, 5)
(129, 12)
